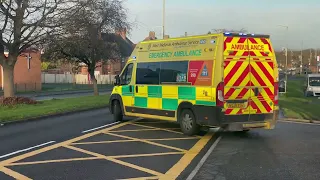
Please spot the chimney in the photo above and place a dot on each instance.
(122, 33)
(152, 35)
(166, 36)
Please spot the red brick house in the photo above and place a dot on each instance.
(27, 74)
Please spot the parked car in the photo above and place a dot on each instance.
(282, 86)
(312, 85)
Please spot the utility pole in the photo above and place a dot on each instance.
(301, 58)
(317, 61)
(163, 17)
(286, 69)
(310, 58)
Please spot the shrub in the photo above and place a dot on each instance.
(12, 101)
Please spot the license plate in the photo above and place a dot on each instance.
(236, 105)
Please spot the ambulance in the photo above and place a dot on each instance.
(226, 80)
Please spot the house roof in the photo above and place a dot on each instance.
(126, 46)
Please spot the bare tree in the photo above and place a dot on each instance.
(24, 24)
(86, 38)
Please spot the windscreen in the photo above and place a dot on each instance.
(314, 81)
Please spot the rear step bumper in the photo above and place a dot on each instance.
(216, 117)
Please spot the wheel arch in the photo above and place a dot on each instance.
(184, 105)
(113, 98)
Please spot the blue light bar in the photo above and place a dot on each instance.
(246, 35)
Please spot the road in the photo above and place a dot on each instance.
(290, 152)
(82, 146)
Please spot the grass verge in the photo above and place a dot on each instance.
(296, 105)
(51, 107)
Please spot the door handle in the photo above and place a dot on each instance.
(137, 89)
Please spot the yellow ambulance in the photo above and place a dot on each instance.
(226, 80)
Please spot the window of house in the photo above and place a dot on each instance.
(148, 73)
(174, 72)
(126, 76)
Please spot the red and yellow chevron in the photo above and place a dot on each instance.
(249, 74)
(237, 46)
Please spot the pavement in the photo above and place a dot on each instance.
(40, 96)
(64, 94)
(69, 95)
(90, 145)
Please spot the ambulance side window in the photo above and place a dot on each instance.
(148, 73)
(125, 78)
(175, 71)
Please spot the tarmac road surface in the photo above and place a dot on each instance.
(90, 145)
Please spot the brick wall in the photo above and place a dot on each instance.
(27, 79)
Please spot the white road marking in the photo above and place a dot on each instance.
(204, 158)
(100, 127)
(295, 122)
(23, 150)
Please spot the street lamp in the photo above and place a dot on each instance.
(286, 53)
(163, 17)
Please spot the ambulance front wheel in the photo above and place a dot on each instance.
(188, 123)
(117, 112)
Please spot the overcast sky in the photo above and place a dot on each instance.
(257, 16)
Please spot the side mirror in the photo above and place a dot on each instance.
(117, 80)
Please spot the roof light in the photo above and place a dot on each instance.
(240, 34)
(226, 33)
(252, 34)
(134, 57)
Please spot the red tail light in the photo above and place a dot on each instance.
(276, 93)
(220, 94)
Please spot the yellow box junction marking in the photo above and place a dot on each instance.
(55, 161)
(115, 160)
(33, 153)
(148, 142)
(150, 129)
(177, 169)
(171, 174)
(13, 174)
(155, 128)
(140, 178)
(131, 140)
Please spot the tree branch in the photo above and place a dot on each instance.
(7, 15)
(44, 16)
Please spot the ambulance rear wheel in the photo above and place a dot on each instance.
(117, 112)
(188, 123)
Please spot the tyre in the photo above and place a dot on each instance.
(117, 112)
(307, 94)
(188, 123)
